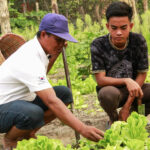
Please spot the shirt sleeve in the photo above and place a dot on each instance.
(142, 56)
(32, 75)
(97, 58)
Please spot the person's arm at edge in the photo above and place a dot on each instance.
(103, 80)
(63, 113)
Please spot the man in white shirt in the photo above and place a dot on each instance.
(27, 100)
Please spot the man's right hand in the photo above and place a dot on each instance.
(133, 88)
(92, 133)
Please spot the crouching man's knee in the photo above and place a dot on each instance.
(64, 93)
(31, 119)
(109, 97)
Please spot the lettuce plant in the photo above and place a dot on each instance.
(130, 135)
(41, 143)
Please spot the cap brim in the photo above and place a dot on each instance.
(65, 36)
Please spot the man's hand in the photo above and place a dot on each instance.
(92, 133)
(124, 113)
(65, 44)
(133, 88)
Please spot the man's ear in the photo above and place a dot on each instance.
(43, 33)
(107, 25)
(131, 25)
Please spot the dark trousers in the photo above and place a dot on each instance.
(29, 115)
(112, 97)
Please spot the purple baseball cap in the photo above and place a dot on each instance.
(57, 25)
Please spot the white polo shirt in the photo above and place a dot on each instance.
(24, 73)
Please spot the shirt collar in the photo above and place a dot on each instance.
(126, 44)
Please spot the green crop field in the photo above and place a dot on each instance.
(121, 136)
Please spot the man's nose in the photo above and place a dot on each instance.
(119, 32)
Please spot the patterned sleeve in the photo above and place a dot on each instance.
(97, 58)
(142, 56)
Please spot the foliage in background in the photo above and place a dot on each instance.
(24, 21)
(74, 9)
(140, 6)
(148, 77)
(141, 25)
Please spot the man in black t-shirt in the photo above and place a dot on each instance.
(120, 64)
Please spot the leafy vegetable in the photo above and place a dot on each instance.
(41, 143)
(130, 135)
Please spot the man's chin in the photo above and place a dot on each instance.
(120, 43)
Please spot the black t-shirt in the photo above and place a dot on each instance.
(124, 63)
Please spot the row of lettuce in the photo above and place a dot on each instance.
(130, 135)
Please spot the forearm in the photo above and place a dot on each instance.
(141, 78)
(57, 107)
(105, 81)
(65, 115)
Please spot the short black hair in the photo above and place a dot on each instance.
(38, 34)
(119, 9)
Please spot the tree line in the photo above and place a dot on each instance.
(72, 9)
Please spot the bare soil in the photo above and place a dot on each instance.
(58, 130)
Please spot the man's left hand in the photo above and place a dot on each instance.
(65, 44)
